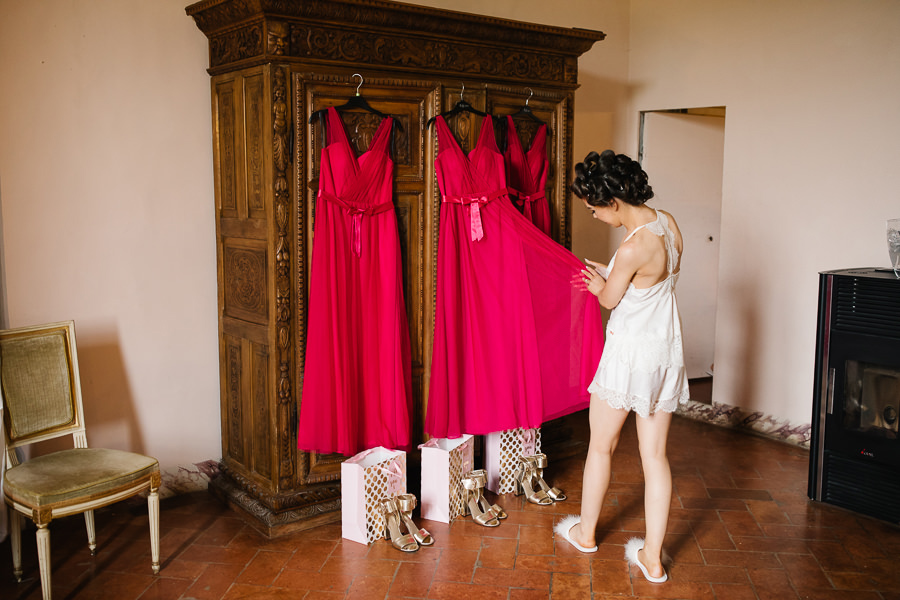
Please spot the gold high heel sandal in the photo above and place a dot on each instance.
(473, 484)
(405, 543)
(407, 503)
(540, 463)
(524, 475)
(482, 501)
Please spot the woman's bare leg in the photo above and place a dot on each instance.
(653, 433)
(606, 424)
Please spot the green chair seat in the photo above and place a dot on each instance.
(75, 474)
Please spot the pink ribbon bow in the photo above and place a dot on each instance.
(356, 214)
(474, 203)
(394, 472)
(525, 200)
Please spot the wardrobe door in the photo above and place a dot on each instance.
(410, 103)
(241, 142)
(553, 108)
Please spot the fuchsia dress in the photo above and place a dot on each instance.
(526, 175)
(357, 390)
(515, 344)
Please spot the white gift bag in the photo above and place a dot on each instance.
(367, 480)
(502, 450)
(444, 462)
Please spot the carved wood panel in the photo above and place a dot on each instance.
(244, 271)
(225, 147)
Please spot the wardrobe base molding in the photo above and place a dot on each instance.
(323, 508)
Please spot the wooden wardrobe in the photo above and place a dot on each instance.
(273, 63)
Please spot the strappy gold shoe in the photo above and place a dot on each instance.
(525, 474)
(473, 486)
(391, 512)
(540, 463)
(482, 501)
(407, 503)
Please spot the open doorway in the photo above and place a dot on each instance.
(683, 152)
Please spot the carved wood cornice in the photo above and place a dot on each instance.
(379, 32)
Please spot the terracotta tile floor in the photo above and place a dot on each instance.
(741, 527)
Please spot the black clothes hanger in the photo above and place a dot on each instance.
(460, 107)
(356, 101)
(526, 110)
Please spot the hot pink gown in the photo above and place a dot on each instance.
(515, 344)
(526, 175)
(357, 390)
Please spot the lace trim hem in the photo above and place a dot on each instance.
(643, 407)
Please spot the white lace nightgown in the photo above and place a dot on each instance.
(642, 367)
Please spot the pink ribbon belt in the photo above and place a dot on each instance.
(356, 214)
(474, 202)
(525, 201)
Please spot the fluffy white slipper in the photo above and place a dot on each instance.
(563, 528)
(631, 554)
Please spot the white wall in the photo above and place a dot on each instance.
(812, 89)
(107, 211)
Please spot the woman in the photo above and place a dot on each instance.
(642, 367)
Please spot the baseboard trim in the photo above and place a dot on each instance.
(756, 422)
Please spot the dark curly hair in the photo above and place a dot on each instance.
(602, 177)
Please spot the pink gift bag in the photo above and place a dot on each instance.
(444, 462)
(502, 450)
(367, 480)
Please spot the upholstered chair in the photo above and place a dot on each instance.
(41, 397)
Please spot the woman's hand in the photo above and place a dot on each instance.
(590, 278)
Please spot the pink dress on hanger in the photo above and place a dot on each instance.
(526, 174)
(515, 344)
(357, 390)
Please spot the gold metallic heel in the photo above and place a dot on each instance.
(524, 476)
(482, 501)
(404, 543)
(540, 463)
(407, 503)
(473, 485)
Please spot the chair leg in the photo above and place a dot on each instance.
(15, 538)
(91, 533)
(43, 548)
(153, 513)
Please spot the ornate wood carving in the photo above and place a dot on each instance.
(281, 158)
(361, 47)
(238, 45)
(225, 125)
(254, 144)
(234, 413)
(213, 16)
(262, 445)
(245, 290)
